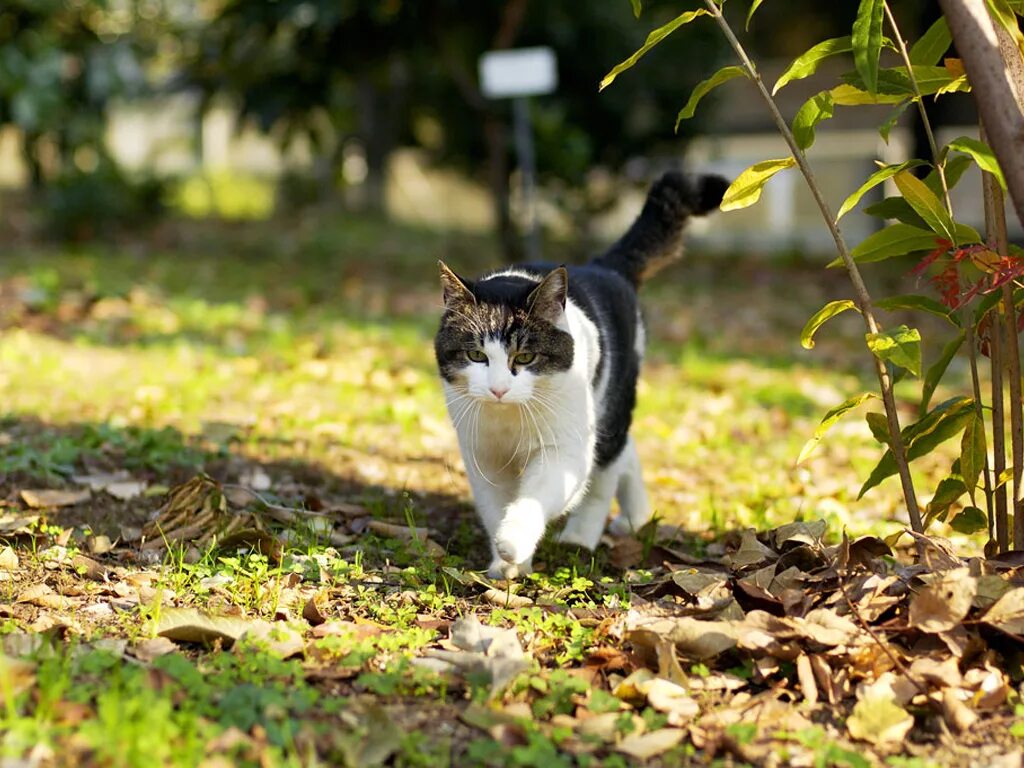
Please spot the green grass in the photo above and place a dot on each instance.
(306, 350)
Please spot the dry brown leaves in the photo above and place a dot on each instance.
(845, 630)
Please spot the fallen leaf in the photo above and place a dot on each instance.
(99, 545)
(153, 648)
(943, 673)
(692, 637)
(504, 599)
(671, 699)
(8, 559)
(799, 533)
(88, 567)
(957, 714)
(648, 745)
(43, 499)
(879, 721)
(278, 639)
(1007, 613)
(604, 726)
(750, 551)
(990, 687)
(127, 490)
(120, 485)
(18, 525)
(189, 625)
(805, 674)
(492, 651)
(944, 602)
(311, 609)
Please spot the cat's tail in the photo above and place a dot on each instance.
(656, 237)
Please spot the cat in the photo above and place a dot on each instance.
(539, 367)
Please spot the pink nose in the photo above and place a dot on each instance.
(499, 392)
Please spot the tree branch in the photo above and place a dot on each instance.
(861, 291)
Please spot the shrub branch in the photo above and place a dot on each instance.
(863, 298)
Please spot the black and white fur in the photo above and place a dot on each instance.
(540, 366)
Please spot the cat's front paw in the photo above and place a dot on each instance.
(520, 530)
(501, 569)
(621, 526)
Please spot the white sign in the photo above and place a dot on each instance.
(518, 72)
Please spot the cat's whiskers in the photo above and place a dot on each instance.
(459, 399)
(539, 432)
(462, 414)
(475, 441)
(551, 407)
(519, 442)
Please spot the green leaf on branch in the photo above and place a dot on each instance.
(973, 451)
(927, 205)
(724, 75)
(876, 178)
(867, 41)
(923, 437)
(807, 63)
(879, 426)
(814, 110)
(949, 490)
(652, 40)
(750, 14)
(954, 170)
(822, 316)
(894, 240)
(901, 346)
(746, 188)
(896, 208)
(901, 239)
(895, 83)
(937, 370)
(637, 7)
(982, 154)
(922, 303)
(846, 95)
(970, 520)
(890, 122)
(831, 418)
(932, 44)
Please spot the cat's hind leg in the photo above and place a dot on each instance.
(634, 508)
(586, 521)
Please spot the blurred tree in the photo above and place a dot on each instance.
(578, 130)
(328, 70)
(61, 65)
(403, 72)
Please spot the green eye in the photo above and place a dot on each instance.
(524, 358)
(477, 356)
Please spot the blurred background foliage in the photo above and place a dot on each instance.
(352, 81)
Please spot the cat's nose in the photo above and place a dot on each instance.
(499, 392)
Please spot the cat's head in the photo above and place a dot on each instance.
(501, 337)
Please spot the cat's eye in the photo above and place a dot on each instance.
(524, 358)
(476, 355)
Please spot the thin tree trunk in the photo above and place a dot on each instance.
(996, 74)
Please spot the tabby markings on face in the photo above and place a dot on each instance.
(499, 347)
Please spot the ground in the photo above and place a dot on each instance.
(261, 548)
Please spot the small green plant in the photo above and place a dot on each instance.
(978, 281)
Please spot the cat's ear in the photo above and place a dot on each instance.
(547, 300)
(455, 289)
